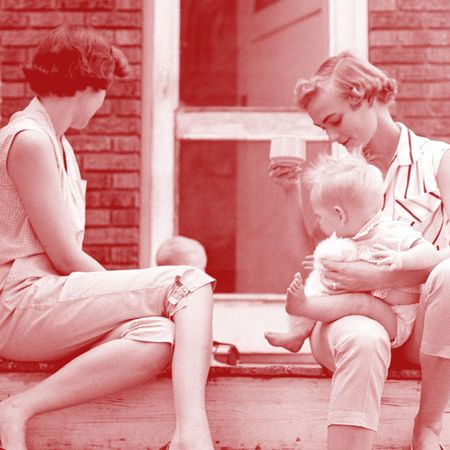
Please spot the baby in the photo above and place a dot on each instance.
(181, 250)
(347, 196)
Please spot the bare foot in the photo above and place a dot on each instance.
(295, 296)
(12, 427)
(290, 340)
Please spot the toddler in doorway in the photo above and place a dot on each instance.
(347, 196)
(181, 250)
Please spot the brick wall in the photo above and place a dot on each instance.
(108, 149)
(411, 40)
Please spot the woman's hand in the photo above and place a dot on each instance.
(356, 276)
(286, 176)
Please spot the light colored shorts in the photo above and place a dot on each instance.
(46, 316)
(406, 317)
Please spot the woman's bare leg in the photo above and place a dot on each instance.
(105, 369)
(190, 367)
(347, 437)
(121, 363)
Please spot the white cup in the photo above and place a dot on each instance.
(287, 150)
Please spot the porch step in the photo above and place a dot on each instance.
(250, 406)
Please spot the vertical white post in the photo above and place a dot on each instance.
(348, 27)
(164, 96)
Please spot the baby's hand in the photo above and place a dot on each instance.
(391, 259)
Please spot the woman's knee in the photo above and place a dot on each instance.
(368, 342)
(439, 278)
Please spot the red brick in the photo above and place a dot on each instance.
(397, 55)
(12, 73)
(127, 107)
(125, 217)
(98, 217)
(429, 72)
(125, 88)
(397, 20)
(126, 180)
(114, 199)
(114, 19)
(114, 125)
(101, 254)
(133, 54)
(424, 108)
(111, 236)
(97, 180)
(12, 20)
(438, 55)
(124, 255)
(412, 90)
(110, 162)
(87, 5)
(13, 90)
(87, 143)
(409, 38)
(424, 5)
(128, 37)
(32, 4)
(14, 55)
(54, 19)
(22, 38)
(106, 109)
(129, 4)
(382, 5)
(126, 144)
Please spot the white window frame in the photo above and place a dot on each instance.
(164, 123)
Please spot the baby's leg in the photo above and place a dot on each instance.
(299, 330)
(328, 308)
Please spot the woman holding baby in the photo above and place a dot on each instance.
(349, 98)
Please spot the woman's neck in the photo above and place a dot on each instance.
(384, 143)
(60, 111)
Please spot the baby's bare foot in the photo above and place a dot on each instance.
(290, 340)
(295, 296)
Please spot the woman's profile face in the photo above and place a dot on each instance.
(351, 126)
(89, 102)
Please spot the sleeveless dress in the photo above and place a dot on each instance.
(47, 316)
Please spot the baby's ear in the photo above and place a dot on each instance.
(340, 212)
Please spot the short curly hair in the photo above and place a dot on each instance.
(354, 78)
(71, 58)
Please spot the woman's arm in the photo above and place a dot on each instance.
(288, 177)
(443, 179)
(32, 168)
(361, 276)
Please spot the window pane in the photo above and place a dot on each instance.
(228, 202)
(249, 52)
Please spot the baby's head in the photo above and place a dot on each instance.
(180, 250)
(346, 192)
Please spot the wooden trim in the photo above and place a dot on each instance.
(146, 136)
(244, 125)
(166, 37)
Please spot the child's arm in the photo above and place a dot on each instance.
(422, 255)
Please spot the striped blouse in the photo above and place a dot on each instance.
(412, 194)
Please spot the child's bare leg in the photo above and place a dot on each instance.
(299, 330)
(299, 327)
(328, 308)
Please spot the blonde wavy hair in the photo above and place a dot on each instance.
(355, 79)
(347, 180)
